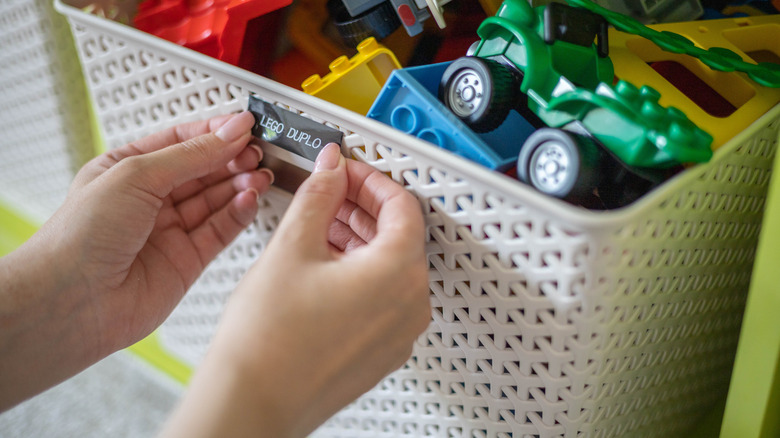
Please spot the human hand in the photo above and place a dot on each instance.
(138, 226)
(331, 307)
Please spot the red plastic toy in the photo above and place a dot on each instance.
(212, 27)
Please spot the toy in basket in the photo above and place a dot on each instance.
(357, 20)
(215, 28)
(596, 144)
(548, 320)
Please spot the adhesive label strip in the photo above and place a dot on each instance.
(291, 131)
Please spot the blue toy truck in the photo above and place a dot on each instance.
(408, 103)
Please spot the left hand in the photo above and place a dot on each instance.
(139, 225)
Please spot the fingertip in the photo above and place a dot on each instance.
(259, 152)
(268, 174)
(252, 194)
(259, 180)
(329, 158)
(217, 122)
(317, 200)
(246, 205)
(238, 126)
(247, 159)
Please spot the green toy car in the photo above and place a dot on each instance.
(551, 64)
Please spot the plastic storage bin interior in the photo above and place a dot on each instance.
(44, 117)
(548, 320)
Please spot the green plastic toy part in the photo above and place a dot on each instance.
(517, 33)
(551, 64)
(717, 58)
(566, 78)
(624, 118)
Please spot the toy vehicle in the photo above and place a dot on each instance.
(408, 102)
(357, 20)
(550, 64)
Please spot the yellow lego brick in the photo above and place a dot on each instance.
(738, 101)
(354, 83)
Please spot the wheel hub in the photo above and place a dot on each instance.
(549, 167)
(466, 93)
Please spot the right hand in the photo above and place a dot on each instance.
(332, 306)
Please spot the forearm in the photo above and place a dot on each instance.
(227, 398)
(42, 327)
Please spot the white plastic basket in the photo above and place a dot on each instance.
(548, 320)
(44, 117)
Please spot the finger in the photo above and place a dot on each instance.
(194, 210)
(343, 237)
(315, 204)
(397, 212)
(216, 233)
(362, 223)
(246, 160)
(172, 135)
(159, 172)
(150, 143)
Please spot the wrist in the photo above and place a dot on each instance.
(44, 338)
(230, 397)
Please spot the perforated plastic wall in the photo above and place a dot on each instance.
(548, 320)
(44, 119)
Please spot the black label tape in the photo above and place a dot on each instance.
(289, 130)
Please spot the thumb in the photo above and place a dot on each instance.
(169, 167)
(317, 201)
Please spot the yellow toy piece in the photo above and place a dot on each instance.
(354, 83)
(740, 101)
(490, 6)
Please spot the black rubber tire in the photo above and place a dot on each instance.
(378, 22)
(492, 91)
(560, 164)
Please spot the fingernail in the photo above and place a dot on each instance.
(259, 152)
(329, 158)
(237, 126)
(252, 190)
(270, 174)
